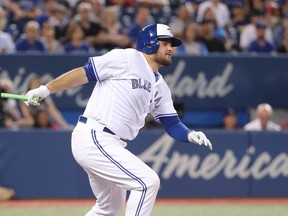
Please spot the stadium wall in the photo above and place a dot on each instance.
(206, 85)
(39, 164)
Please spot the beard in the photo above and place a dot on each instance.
(162, 60)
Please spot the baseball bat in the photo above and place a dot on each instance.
(18, 97)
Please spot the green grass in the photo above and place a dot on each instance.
(222, 210)
(166, 210)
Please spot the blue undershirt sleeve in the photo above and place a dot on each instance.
(175, 128)
(89, 72)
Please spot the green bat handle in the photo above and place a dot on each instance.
(18, 97)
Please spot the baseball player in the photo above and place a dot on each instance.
(128, 86)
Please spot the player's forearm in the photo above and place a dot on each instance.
(73, 78)
(175, 128)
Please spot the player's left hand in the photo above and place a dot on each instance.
(40, 92)
(198, 137)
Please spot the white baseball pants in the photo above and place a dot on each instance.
(112, 170)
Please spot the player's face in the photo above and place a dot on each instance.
(164, 54)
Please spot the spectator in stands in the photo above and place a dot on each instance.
(219, 32)
(230, 120)
(121, 3)
(21, 12)
(69, 11)
(7, 45)
(238, 21)
(10, 116)
(195, 6)
(189, 45)
(260, 44)
(110, 20)
(206, 36)
(257, 5)
(283, 6)
(97, 9)
(47, 104)
(75, 42)
(6, 193)
(156, 4)
(47, 9)
(284, 46)
(116, 38)
(273, 12)
(248, 33)
(220, 10)
(184, 16)
(94, 34)
(41, 120)
(72, 3)
(48, 38)
(263, 121)
(30, 40)
(278, 31)
(59, 21)
(142, 18)
(238, 16)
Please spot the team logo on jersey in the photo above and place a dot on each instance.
(141, 84)
(157, 98)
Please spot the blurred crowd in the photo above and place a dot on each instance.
(262, 120)
(16, 114)
(87, 26)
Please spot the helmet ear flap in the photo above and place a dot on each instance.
(151, 46)
(148, 45)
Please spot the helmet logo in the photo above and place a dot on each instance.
(147, 39)
(170, 31)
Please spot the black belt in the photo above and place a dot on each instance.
(83, 119)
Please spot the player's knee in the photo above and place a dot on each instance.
(153, 182)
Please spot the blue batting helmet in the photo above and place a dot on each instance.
(147, 39)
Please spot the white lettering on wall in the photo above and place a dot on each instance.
(180, 85)
(213, 164)
(201, 87)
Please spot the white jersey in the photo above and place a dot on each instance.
(255, 125)
(126, 91)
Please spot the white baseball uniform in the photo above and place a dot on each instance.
(125, 92)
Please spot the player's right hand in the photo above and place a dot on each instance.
(40, 92)
(198, 137)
